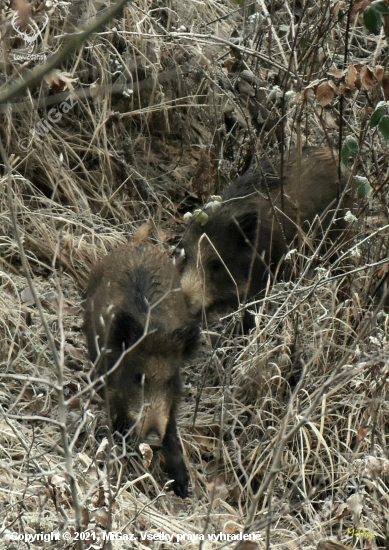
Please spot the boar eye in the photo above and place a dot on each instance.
(139, 379)
(215, 266)
(170, 382)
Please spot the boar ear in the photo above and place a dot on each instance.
(188, 336)
(247, 225)
(126, 329)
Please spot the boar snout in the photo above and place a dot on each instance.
(153, 438)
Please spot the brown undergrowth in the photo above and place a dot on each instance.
(284, 430)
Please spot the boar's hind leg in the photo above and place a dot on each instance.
(174, 461)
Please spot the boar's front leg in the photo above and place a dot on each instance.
(174, 461)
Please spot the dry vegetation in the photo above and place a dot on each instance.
(285, 431)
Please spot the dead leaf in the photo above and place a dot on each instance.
(362, 432)
(75, 404)
(367, 78)
(333, 86)
(308, 91)
(336, 73)
(372, 467)
(147, 454)
(346, 91)
(231, 527)
(341, 510)
(59, 81)
(324, 94)
(359, 7)
(383, 271)
(72, 386)
(352, 76)
(378, 72)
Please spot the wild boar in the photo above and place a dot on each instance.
(139, 333)
(229, 259)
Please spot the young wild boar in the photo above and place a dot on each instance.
(139, 333)
(229, 258)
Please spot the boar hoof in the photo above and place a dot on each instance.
(181, 482)
(177, 471)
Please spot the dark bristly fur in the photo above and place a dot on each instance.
(229, 259)
(134, 292)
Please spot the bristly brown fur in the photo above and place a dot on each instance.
(229, 259)
(134, 300)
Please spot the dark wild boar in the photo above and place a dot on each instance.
(134, 302)
(229, 258)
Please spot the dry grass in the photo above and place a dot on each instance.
(285, 430)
